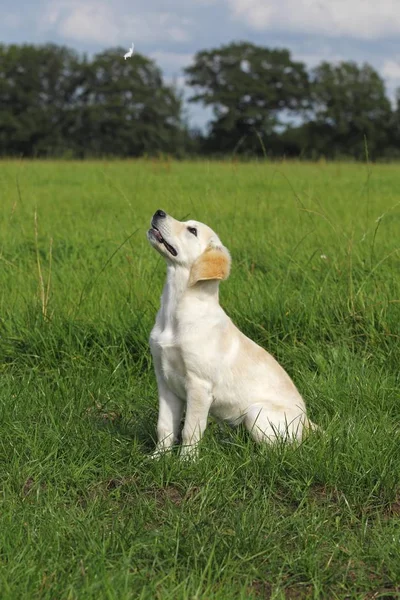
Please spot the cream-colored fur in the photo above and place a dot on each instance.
(203, 363)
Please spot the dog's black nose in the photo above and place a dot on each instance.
(160, 214)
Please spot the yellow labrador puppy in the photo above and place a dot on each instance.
(202, 361)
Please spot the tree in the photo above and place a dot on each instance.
(38, 85)
(350, 111)
(128, 110)
(53, 102)
(249, 88)
(393, 149)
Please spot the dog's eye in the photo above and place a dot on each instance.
(193, 230)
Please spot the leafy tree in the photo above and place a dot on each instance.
(37, 84)
(55, 102)
(128, 110)
(249, 87)
(52, 102)
(350, 108)
(393, 148)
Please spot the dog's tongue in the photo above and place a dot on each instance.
(158, 235)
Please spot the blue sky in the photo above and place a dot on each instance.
(171, 31)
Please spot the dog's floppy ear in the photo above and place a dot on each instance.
(214, 263)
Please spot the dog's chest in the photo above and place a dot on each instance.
(167, 350)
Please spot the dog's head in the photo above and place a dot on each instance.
(190, 244)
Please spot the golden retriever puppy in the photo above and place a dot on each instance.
(203, 363)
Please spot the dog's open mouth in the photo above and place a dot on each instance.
(157, 234)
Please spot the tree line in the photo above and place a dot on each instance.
(55, 102)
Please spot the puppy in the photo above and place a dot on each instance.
(203, 363)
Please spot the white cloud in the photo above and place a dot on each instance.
(362, 19)
(171, 61)
(92, 22)
(155, 27)
(109, 22)
(81, 21)
(391, 69)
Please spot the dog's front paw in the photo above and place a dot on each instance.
(156, 455)
(159, 452)
(190, 453)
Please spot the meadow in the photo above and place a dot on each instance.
(315, 279)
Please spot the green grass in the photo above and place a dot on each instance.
(315, 280)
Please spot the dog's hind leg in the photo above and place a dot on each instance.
(269, 425)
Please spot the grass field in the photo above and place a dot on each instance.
(315, 280)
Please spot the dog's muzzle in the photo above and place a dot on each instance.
(156, 234)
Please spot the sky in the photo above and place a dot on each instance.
(172, 31)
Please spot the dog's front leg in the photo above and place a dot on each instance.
(199, 399)
(170, 413)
